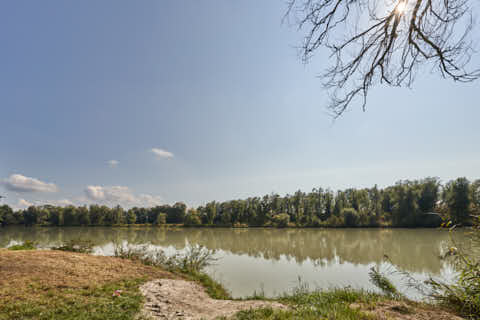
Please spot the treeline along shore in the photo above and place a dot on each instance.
(418, 203)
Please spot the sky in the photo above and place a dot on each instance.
(140, 103)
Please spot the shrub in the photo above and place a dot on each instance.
(334, 221)
(77, 245)
(27, 245)
(281, 220)
(195, 259)
(192, 220)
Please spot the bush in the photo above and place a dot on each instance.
(192, 220)
(195, 259)
(81, 246)
(281, 220)
(334, 221)
(27, 245)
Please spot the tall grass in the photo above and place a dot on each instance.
(195, 259)
(191, 264)
(464, 294)
(309, 304)
(382, 282)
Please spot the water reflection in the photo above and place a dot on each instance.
(250, 256)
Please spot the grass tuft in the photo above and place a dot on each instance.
(381, 281)
(319, 304)
(27, 245)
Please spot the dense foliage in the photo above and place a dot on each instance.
(405, 204)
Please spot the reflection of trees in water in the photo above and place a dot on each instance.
(410, 249)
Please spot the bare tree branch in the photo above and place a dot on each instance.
(385, 42)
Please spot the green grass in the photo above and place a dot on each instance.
(325, 305)
(89, 303)
(214, 289)
(27, 245)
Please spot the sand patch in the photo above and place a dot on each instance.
(171, 299)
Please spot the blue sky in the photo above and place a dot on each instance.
(217, 89)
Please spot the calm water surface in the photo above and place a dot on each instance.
(273, 260)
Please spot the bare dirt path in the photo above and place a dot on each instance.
(179, 299)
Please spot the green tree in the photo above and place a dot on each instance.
(428, 194)
(176, 214)
(192, 219)
(457, 198)
(281, 220)
(405, 209)
(475, 196)
(6, 216)
(211, 212)
(350, 216)
(161, 219)
(328, 199)
(83, 216)
(70, 216)
(56, 216)
(131, 216)
(96, 215)
(43, 215)
(118, 215)
(30, 216)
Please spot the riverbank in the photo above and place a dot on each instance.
(44, 284)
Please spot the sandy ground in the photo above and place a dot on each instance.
(179, 299)
(56, 269)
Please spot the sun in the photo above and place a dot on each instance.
(401, 7)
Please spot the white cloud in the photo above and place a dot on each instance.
(121, 195)
(20, 183)
(147, 200)
(95, 192)
(113, 163)
(161, 154)
(22, 203)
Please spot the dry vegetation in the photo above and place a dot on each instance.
(65, 285)
(47, 270)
